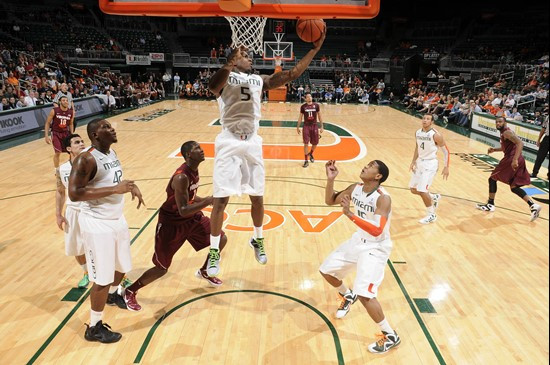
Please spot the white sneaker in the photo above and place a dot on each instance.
(435, 199)
(346, 301)
(385, 342)
(486, 207)
(430, 218)
(535, 211)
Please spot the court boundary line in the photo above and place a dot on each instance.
(336, 338)
(418, 317)
(77, 306)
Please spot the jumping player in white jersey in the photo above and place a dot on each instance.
(367, 250)
(238, 165)
(68, 222)
(424, 166)
(96, 181)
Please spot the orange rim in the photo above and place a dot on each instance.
(286, 11)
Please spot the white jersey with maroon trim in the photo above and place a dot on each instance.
(427, 148)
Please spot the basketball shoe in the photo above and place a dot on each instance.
(346, 301)
(306, 164)
(259, 250)
(385, 342)
(202, 274)
(435, 199)
(131, 301)
(535, 211)
(430, 218)
(213, 267)
(116, 299)
(311, 158)
(486, 207)
(101, 332)
(84, 282)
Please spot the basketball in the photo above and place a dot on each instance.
(310, 30)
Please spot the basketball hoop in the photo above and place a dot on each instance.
(248, 32)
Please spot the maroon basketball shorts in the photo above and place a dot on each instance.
(310, 133)
(170, 236)
(57, 140)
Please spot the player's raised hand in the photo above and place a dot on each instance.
(319, 42)
(331, 169)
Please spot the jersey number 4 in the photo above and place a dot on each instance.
(422, 145)
(245, 93)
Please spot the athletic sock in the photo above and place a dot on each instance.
(258, 232)
(385, 326)
(215, 242)
(85, 268)
(343, 289)
(530, 203)
(95, 317)
(430, 209)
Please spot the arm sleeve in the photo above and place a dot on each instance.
(373, 227)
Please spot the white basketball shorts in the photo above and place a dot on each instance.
(369, 258)
(238, 165)
(424, 175)
(107, 245)
(73, 240)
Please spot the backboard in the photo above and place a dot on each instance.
(282, 9)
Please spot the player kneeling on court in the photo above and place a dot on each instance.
(180, 220)
(368, 249)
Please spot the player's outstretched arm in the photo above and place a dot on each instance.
(180, 184)
(280, 78)
(219, 79)
(84, 168)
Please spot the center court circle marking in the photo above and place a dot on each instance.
(335, 337)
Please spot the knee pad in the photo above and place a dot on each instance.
(519, 191)
(492, 186)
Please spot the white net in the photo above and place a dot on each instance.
(248, 32)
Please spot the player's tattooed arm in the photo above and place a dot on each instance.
(512, 137)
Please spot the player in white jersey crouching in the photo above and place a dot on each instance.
(424, 166)
(68, 222)
(238, 164)
(96, 181)
(367, 250)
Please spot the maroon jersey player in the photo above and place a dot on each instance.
(311, 112)
(511, 170)
(180, 219)
(60, 121)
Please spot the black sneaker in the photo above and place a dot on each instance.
(101, 332)
(311, 159)
(116, 299)
(306, 164)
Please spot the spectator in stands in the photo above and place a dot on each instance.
(21, 103)
(300, 93)
(12, 102)
(510, 102)
(213, 53)
(166, 78)
(5, 105)
(339, 93)
(432, 75)
(64, 91)
(111, 102)
(30, 99)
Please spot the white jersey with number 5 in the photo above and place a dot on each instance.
(427, 148)
(240, 103)
(109, 173)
